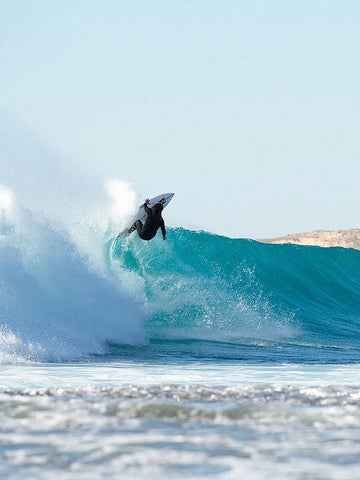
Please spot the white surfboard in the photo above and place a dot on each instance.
(164, 199)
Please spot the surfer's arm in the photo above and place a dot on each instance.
(163, 231)
(146, 208)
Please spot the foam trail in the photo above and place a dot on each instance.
(53, 306)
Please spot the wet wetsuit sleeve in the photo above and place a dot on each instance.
(162, 226)
(147, 209)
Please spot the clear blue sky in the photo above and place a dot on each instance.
(248, 110)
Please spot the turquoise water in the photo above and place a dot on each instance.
(198, 357)
(216, 297)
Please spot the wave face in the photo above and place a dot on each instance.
(195, 295)
(231, 293)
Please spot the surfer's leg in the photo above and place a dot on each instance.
(133, 227)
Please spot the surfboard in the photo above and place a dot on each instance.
(164, 199)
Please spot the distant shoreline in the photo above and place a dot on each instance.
(321, 238)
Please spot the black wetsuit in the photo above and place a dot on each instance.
(152, 224)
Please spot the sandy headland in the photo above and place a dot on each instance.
(321, 238)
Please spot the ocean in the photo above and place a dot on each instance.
(199, 357)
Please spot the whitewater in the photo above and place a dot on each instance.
(198, 357)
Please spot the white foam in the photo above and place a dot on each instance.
(55, 303)
(103, 219)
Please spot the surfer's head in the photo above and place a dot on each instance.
(157, 209)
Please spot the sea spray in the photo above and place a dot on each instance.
(53, 304)
(102, 219)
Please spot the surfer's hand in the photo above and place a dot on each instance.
(164, 238)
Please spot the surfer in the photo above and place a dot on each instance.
(153, 222)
